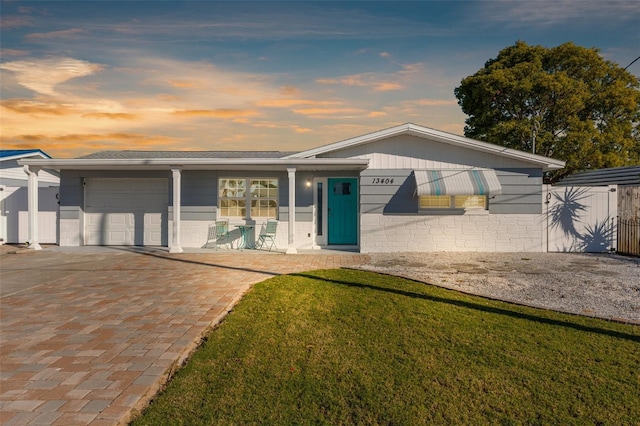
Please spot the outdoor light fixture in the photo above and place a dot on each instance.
(308, 183)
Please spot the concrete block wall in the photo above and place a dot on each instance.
(70, 233)
(480, 233)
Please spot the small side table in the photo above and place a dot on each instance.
(244, 234)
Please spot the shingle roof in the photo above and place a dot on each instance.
(129, 155)
(628, 175)
(434, 135)
(18, 152)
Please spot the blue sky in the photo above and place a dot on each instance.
(78, 77)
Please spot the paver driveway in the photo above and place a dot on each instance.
(87, 337)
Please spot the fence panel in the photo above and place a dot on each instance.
(581, 219)
(628, 237)
(629, 220)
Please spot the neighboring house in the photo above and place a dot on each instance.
(406, 188)
(14, 200)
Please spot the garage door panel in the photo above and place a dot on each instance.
(115, 219)
(126, 212)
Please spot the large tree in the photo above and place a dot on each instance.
(565, 102)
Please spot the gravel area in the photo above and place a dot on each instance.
(598, 285)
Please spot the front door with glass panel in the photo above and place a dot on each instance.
(342, 209)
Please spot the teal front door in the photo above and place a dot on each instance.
(343, 211)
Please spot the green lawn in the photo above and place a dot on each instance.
(350, 347)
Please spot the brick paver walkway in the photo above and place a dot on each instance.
(94, 335)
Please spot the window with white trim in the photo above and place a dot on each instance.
(460, 202)
(259, 194)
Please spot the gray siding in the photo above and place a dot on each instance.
(71, 191)
(393, 192)
(521, 192)
(387, 191)
(196, 213)
(71, 182)
(199, 190)
(303, 214)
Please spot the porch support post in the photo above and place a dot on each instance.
(32, 205)
(177, 201)
(291, 247)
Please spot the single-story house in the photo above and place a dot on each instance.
(405, 188)
(14, 200)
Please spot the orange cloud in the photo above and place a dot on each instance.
(78, 137)
(23, 106)
(183, 84)
(286, 103)
(374, 114)
(111, 115)
(167, 98)
(80, 144)
(289, 90)
(385, 86)
(327, 111)
(429, 102)
(363, 80)
(216, 113)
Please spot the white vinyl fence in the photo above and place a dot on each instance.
(581, 218)
(14, 215)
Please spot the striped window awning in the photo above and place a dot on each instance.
(457, 182)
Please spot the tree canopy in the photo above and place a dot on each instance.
(567, 101)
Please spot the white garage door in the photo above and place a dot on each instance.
(126, 212)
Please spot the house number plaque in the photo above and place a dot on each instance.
(382, 181)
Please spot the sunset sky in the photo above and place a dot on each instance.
(79, 77)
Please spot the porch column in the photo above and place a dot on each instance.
(291, 248)
(177, 199)
(32, 205)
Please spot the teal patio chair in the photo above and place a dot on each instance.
(218, 234)
(268, 235)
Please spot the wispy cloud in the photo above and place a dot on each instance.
(15, 21)
(264, 21)
(62, 34)
(184, 84)
(42, 75)
(25, 106)
(111, 115)
(13, 52)
(516, 13)
(287, 103)
(330, 112)
(429, 102)
(370, 80)
(378, 82)
(68, 145)
(217, 113)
